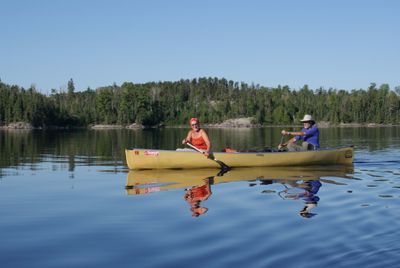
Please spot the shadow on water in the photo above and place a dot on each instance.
(300, 184)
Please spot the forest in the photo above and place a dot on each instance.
(212, 100)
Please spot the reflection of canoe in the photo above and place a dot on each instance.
(165, 159)
(146, 181)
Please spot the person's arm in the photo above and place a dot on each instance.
(292, 140)
(208, 188)
(293, 133)
(207, 141)
(297, 135)
(188, 138)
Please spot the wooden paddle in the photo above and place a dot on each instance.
(224, 166)
(280, 146)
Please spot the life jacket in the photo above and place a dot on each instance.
(199, 192)
(199, 143)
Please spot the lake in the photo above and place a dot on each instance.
(67, 199)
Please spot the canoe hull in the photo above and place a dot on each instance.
(167, 159)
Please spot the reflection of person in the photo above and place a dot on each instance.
(311, 188)
(309, 196)
(195, 195)
(198, 137)
(309, 134)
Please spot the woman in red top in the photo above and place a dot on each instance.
(198, 137)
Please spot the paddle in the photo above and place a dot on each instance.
(281, 139)
(224, 166)
(280, 146)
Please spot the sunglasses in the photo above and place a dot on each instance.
(195, 125)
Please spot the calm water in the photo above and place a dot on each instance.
(68, 200)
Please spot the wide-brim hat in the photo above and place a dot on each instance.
(307, 118)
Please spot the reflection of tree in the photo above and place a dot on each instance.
(197, 194)
(23, 146)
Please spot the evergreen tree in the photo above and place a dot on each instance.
(71, 86)
(211, 99)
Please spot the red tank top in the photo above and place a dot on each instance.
(199, 192)
(199, 143)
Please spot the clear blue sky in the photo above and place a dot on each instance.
(343, 44)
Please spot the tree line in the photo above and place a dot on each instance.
(212, 100)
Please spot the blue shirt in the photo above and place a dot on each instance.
(312, 135)
(312, 197)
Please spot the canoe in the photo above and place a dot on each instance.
(168, 159)
(155, 180)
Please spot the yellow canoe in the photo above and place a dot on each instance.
(168, 159)
(148, 181)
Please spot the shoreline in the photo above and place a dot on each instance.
(27, 126)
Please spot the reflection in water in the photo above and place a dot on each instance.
(308, 195)
(86, 147)
(300, 183)
(350, 230)
(197, 194)
(78, 147)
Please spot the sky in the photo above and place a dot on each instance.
(342, 44)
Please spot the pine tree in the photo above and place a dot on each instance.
(71, 87)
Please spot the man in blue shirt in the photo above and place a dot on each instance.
(309, 134)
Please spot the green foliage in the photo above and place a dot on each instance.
(18, 104)
(71, 86)
(212, 100)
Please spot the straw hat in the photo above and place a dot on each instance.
(307, 118)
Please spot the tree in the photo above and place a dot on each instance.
(397, 90)
(103, 103)
(71, 86)
(211, 99)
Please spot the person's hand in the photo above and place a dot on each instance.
(281, 145)
(184, 141)
(284, 132)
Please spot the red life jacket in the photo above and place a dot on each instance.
(199, 143)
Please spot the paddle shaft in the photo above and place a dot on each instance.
(194, 147)
(281, 140)
(281, 143)
(222, 164)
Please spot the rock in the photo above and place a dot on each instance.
(244, 122)
(135, 126)
(18, 125)
(323, 124)
(106, 126)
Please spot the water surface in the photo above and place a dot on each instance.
(68, 200)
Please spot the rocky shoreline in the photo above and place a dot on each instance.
(18, 125)
(230, 123)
